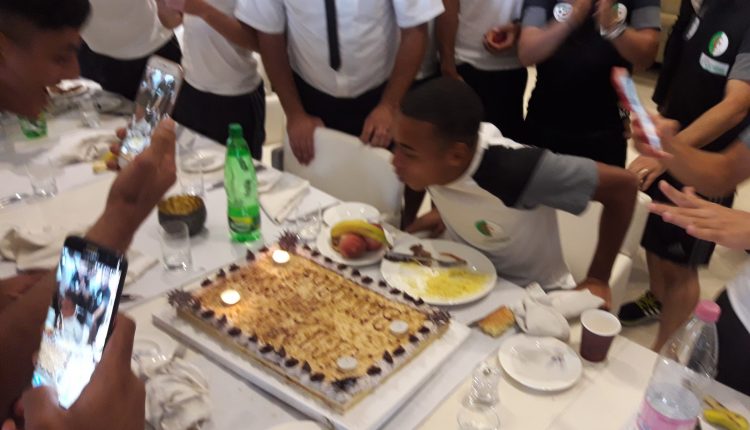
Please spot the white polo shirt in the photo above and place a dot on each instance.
(475, 19)
(213, 64)
(368, 37)
(512, 192)
(125, 29)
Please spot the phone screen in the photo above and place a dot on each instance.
(155, 99)
(80, 317)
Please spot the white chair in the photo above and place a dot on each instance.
(349, 170)
(275, 118)
(579, 236)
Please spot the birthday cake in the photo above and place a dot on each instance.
(322, 327)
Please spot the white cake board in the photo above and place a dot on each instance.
(370, 413)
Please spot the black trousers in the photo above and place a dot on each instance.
(734, 345)
(122, 76)
(343, 114)
(210, 114)
(501, 92)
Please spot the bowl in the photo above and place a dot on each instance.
(189, 209)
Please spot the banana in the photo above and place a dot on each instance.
(720, 416)
(360, 227)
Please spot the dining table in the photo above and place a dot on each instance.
(607, 396)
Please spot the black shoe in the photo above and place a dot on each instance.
(641, 311)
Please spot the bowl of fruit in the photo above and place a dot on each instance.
(354, 242)
(186, 208)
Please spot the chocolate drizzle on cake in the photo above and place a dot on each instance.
(374, 370)
(367, 280)
(345, 383)
(387, 357)
(249, 256)
(440, 317)
(206, 282)
(281, 352)
(264, 250)
(419, 302)
(424, 330)
(407, 297)
(342, 267)
(317, 377)
(221, 274)
(234, 331)
(265, 349)
(355, 273)
(315, 253)
(413, 338)
(253, 339)
(328, 260)
(399, 351)
(306, 247)
(291, 362)
(207, 314)
(395, 291)
(306, 367)
(223, 320)
(382, 284)
(233, 267)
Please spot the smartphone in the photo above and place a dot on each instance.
(80, 318)
(625, 88)
(156, 96)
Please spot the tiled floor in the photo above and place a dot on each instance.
(724, 264)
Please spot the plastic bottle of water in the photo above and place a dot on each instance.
(684, 369)
(241, 186)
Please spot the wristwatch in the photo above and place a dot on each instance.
(614, 33)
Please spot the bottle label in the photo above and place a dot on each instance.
(243, 224)
(651, 419)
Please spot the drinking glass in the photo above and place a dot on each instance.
(43, 178)
(175, 246)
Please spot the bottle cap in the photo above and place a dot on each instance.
(235, 130)
(707, 311)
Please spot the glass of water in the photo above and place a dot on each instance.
(43, 178)
(308, 224)
(175, 245)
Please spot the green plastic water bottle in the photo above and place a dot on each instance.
(241, 186)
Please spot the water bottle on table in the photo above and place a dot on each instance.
(241, 186)
(684, 369)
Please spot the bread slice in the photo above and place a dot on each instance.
(496, 323)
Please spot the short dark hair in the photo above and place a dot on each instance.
(17, 15)
(451, 106)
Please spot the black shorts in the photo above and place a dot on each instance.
(122, 76)
(734, 344)
(210, 114)
(671, 242)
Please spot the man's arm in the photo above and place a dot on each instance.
(446, 28)
(168, 17)
(637, 44)
(230, 27)
(377, 128)
(540, 37)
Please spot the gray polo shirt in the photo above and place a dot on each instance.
(504, 205)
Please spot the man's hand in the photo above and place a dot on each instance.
(301, 130)
(666, 129)
(431, 222)
(377, 129)
(14, 287)
(137, 189)
(580, 13)
(599, 289)
(703, 219)
(114, 399)
(501, 39)
(647, 169)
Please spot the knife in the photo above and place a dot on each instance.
(400, 257)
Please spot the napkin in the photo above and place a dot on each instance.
(177, 395)
(284, 196)
(84, 146)
(547, 314)
(39, 249)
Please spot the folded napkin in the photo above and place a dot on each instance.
(284, 196)
(547, 314)
(39, 249)
(177, 395)
(83, 146)
(267, 179)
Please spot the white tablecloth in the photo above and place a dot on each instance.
(607, 397)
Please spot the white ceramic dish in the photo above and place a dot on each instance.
(326, 248)
(350, 211)
(540, 363)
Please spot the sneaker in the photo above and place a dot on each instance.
(641, 311)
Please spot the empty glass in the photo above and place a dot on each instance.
(477, 410)
(175, 245)
(43, 178)
(308, 224)
(89, 113)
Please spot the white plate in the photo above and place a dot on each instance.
(411, 278)
(349, 211)
(324, 246)
(540, 363)
(211, 159)
(298, 425)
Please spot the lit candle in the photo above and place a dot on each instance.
(230, 297)
(280, 257)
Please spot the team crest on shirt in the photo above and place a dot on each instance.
(621, 12)
(718, 44)
(562, 11)
(488, 229)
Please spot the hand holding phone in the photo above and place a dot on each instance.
(626, 90)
